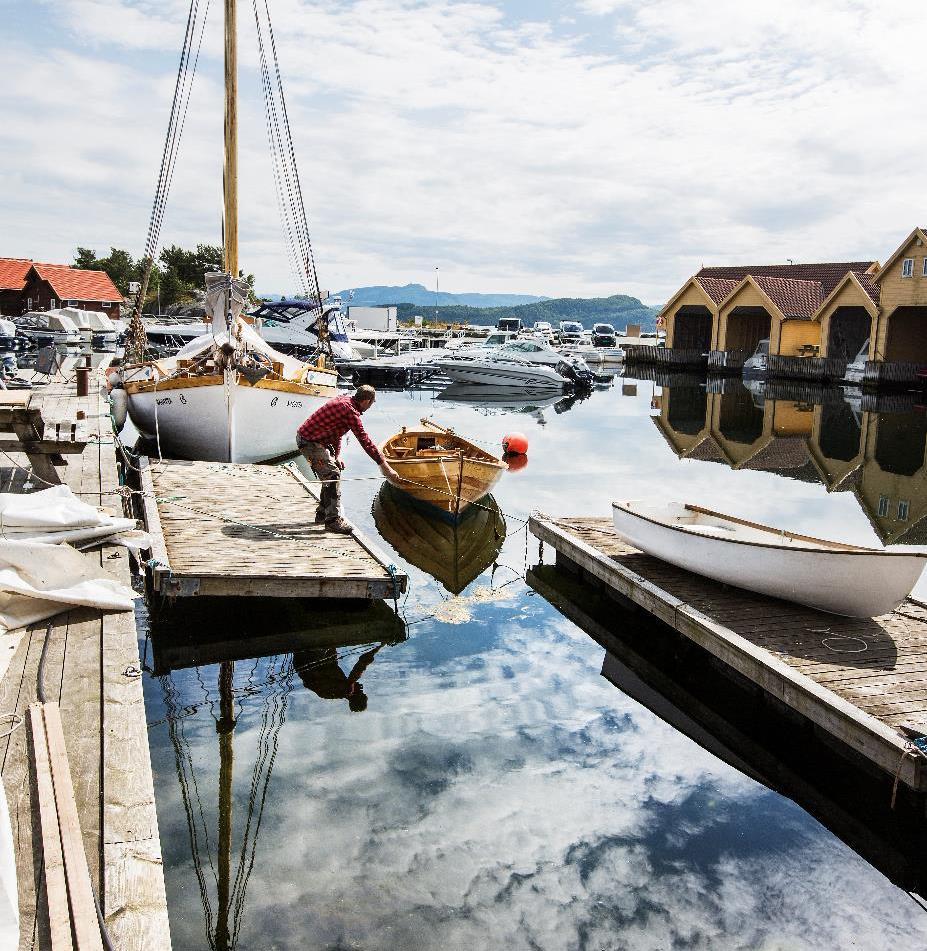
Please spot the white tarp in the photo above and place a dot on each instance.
(94, 320)
(38, 581)
(57, 515)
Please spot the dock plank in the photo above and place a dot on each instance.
(859, 693)
(258, 538)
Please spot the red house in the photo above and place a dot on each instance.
(29, 285)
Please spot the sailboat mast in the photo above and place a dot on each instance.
(230, 179)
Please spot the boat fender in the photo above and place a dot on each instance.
(515, 444)
(119, 407)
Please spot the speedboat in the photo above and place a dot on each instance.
(492, 370)
(8, 340)
(755, 365)
(822, 574)
(47, 326)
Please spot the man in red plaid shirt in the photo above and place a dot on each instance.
(319, 440)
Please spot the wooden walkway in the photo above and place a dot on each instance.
(859, 680)
(234, 529)
(92, 671)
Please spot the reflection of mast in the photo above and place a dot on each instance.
(224, 727)
(231, 141)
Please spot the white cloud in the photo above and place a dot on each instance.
(615, 153)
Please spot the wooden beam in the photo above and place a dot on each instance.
(83, 910)
(153, 525)
(59, 918)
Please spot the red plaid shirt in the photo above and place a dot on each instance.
(332, 420)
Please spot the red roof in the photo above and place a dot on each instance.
(794, 298)
(72, 284)
(13, 273)
(717, 288)
(829, 275)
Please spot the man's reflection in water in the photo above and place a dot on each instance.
(319, 671)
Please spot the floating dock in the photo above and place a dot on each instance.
(249, 530)
(859, 681)
(92, 672)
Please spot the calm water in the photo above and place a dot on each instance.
(498, 790)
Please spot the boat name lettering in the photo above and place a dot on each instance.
(183, 399)
(164, 400)
(273, 402)
(294, 403)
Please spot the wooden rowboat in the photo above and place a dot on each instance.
(827, 575)
(437, 466)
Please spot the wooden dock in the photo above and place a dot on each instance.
(249, 530)
(859, 681)
(92, 672)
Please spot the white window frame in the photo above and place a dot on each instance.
(907, 267)
(28, 303)
(51, 303)
(71, 303)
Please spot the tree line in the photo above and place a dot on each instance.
(176, 276)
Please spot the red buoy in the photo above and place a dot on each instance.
(515, 462)
(515, 444)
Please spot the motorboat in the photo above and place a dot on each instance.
(496, 371)
(502, 397)
(855, 372)
(289, 326)
(495, 340)
(822, 574)
(453, 553)
(42, 327)
(755, 365)
(437, 466)
(94, 325)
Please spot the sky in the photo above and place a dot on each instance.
(551, 148)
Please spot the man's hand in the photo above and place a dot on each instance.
(340, 464)
(389, 472)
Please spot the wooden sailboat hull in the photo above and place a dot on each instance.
(828, 576)
(223, 418)
(450, 476)
(453, 553)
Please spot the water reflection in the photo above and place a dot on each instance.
(812, 434)
(454, 554)
(497, 791)
(645, 661)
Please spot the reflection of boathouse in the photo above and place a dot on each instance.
(816, 317)
(879, 456)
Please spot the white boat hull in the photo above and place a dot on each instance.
(854, 582)
(522, 376)
(226, 420)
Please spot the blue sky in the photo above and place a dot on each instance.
(546, 147)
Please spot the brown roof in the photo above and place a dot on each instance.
(794, 298)
(716, 288)
(13, 273)
(869, 286)
(828, 274)
(72, 284)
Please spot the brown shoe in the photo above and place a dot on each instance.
(340, 526)
(319, 516)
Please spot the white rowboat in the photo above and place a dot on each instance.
(827, 575)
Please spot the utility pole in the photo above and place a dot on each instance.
(436, 297)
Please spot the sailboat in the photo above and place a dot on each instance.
(227, 396)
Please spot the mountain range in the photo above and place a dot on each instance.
(419, 295)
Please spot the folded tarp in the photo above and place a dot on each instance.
(38, 581)
(56, 515)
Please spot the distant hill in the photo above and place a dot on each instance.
(418, 294)
(619, 310)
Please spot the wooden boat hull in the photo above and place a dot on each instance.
(223, 418)
(451, 477)
(856, 582)
(454, 553)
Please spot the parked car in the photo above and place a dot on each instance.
(571, 331)
(604, 335)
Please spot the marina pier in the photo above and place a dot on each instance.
(859, 682)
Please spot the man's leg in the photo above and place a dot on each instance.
(327, 472)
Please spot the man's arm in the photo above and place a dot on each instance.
(357, 427)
